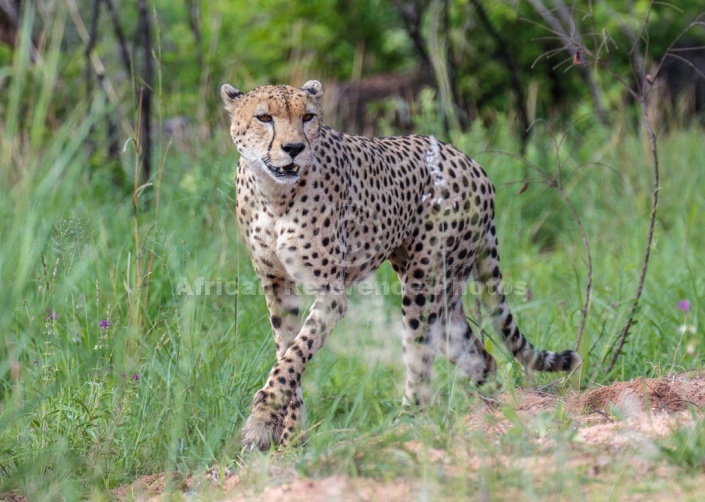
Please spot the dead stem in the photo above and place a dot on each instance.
(649, 240)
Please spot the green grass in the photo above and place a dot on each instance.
(685, 446)
(167, 385)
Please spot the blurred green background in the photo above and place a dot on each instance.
(117, 184)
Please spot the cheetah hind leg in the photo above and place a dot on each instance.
(419, 343)
(465, 350)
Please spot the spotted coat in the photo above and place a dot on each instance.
(322, 209)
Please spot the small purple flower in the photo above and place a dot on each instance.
(51, 316)
(529, 294)
(136, 377)
(105, 324)
(613, 305)
(684, 306)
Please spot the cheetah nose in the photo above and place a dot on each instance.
(293, 149)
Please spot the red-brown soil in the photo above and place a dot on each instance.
(619, 416)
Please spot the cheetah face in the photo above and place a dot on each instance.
(275, 127)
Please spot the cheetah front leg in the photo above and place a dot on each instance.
(284, 307)
(278, 406)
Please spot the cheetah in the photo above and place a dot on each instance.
(322, 210)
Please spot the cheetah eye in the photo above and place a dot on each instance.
(308, 117)
(264, 117)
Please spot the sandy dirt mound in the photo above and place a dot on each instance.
(636, 412)
(656, 395)
(607, 419)
(620, 414)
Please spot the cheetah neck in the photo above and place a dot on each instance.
(278, 198)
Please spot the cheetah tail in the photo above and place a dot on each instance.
(496, 304)
(488, 273)
(531, 357)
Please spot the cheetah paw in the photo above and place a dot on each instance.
(264, 426)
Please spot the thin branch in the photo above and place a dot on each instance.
(194, 21)
(603, 415)
(649, 240)
(596, 343)
(511, 66)
(90, 46)
(572, 43)
(556, 183)
(411, 14)
(598, 164)
(146, 93)
(544, 176)
(591, 13)
(679, 400)
(687, 62)
(588, 256)
(634, 54)
(124, 54)
(644, 90)
(620, 79)
(698, 22)
(643, 33)
(688, 49)
(98, 66)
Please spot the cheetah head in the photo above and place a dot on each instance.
(275, 127)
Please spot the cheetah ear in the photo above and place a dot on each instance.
(230, 96)
(314, 87)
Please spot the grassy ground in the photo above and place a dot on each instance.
(107, 372)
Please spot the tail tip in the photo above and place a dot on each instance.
(569, 360)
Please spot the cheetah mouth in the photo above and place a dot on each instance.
(290, 171)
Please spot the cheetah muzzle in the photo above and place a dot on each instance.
(307, 194)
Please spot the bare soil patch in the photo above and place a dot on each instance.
(670, 394)
(610, 420)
